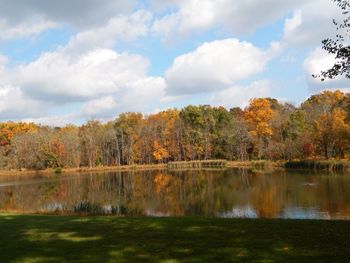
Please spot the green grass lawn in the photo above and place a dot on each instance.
(31, 238)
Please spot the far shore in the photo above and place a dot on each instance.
(51, 171)
(137, 167)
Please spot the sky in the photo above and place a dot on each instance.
(72, 61)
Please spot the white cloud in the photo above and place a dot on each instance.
(14, 104)
(106, 82)
(25, 18)
(25, 29)
(319, 60)
(118, 28)
(60, 77)
(84, 72)
(77, 13)
(235, 16)
(88, 72)
(55, 121)
(100, 106)
(215, 66)
(142, 95)
(311, 23)
(161, 5)
(239, 96)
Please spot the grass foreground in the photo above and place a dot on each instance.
(41, 238)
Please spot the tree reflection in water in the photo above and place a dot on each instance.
(220, 193)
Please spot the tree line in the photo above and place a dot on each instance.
(265, 129)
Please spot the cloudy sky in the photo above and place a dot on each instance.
(71, 61)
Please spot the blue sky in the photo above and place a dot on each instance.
(72, 62)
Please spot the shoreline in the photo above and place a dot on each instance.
(51, 171)
(256, 164)
(136, 167)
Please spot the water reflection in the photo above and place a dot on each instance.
(227, 193)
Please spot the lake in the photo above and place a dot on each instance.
(227, 193)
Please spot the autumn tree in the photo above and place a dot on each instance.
(70, 148)
(108, 144)
(128, 127)
(164, 136)
(279, 141)
(322, 103)
(332, 133)
(31, 150)
(7, 131)
(89, 135)
(258, 116)
(321, 111)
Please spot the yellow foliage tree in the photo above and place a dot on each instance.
(159, 153)
(258, 114)
(9, 129)
(332, 132)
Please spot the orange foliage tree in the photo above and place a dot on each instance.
(258, 115)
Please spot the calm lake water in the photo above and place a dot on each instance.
(227, 193)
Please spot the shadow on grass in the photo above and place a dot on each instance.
(111, 239)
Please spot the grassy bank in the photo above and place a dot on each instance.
(326, 165)
(317, 165)
(330, 165)
(31, 238)
(51, 171)
(257, 164)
